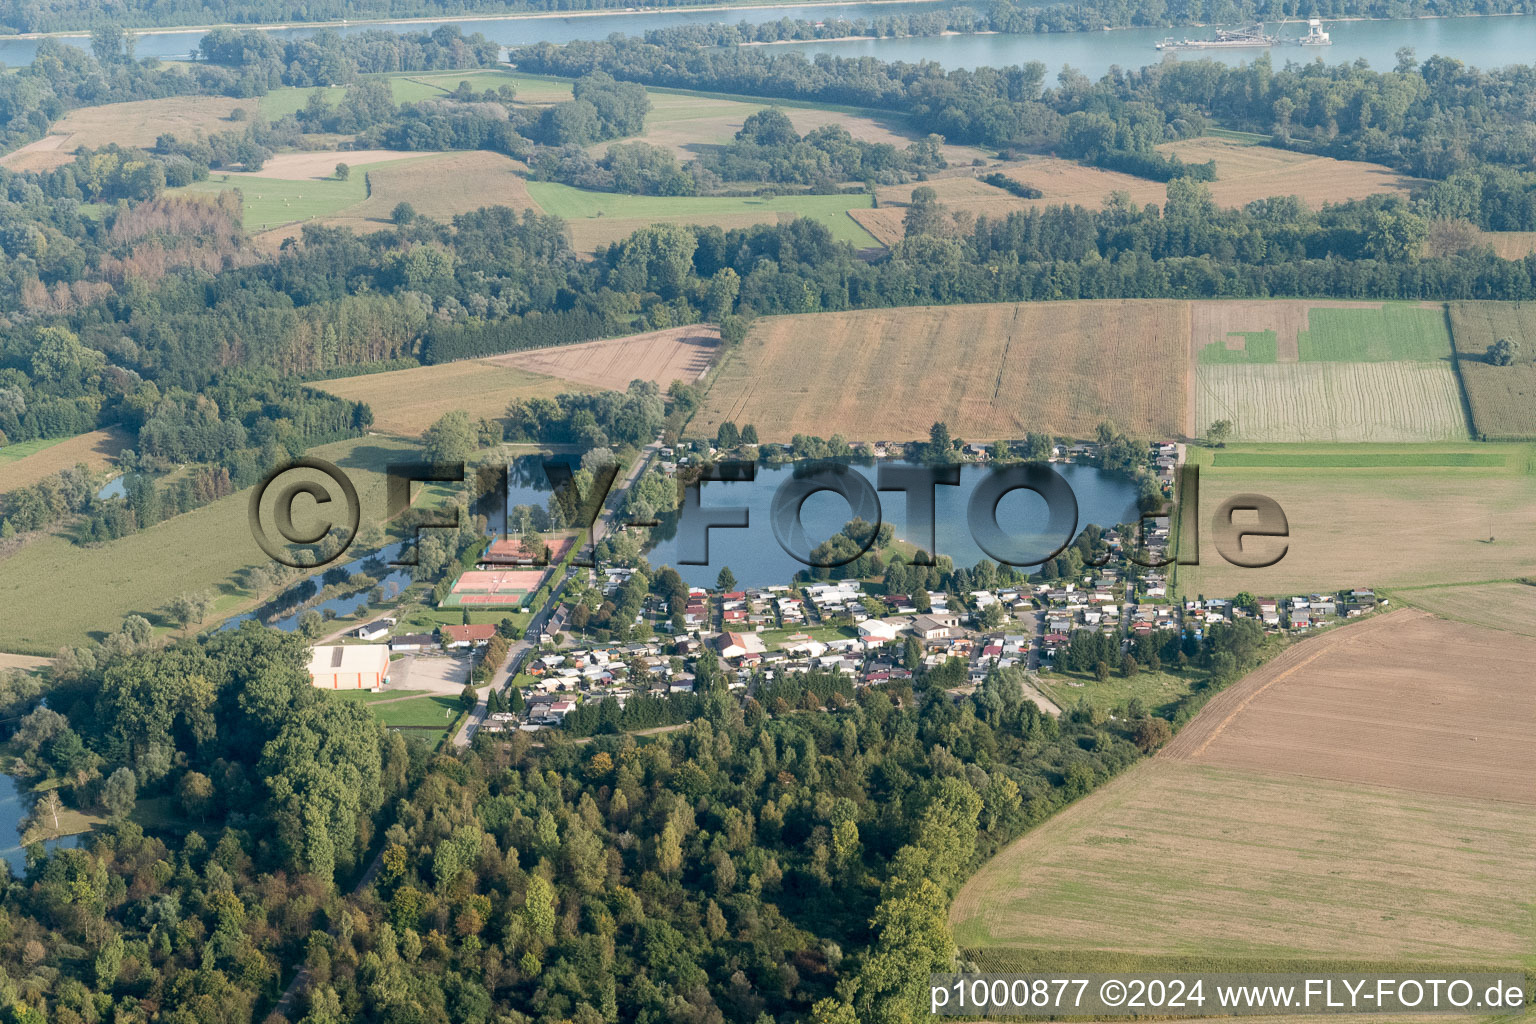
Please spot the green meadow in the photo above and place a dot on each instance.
(21, 449)
(579, 204)
(55, 591)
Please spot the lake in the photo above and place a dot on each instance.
(756, 558)
(1483, 41)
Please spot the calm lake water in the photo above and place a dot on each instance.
(756, 558)
(1485, 42)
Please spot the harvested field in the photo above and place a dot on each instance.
(678, 353)
(688, 123)
(1503, 398)
(406, 402)
(322, 164)
(1505, 606)
(1511, 245)
(23, 662)
(1226, 867)
(1407, 525)
(1332, 401)
(439, 187)
(96, 449)
(1313, 811)
(1405, 700)
(989, 371)
(127, 124)
(1244, 172)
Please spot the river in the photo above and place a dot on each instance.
(1483, 41)
(12, 810)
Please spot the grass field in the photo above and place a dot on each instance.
(1155, 690)
(1244, 172)
(989, 371)
(21, 449)
(1300, 330)
(418, 710)
(1396, 516)
(273, 202)
(406, 402)
(677, 353)
(1508, 606)
(599, 218)
(1301, 370)
(436, 186)
(43, 585)
(28, 462)
(1357, 799)
(1503, 398)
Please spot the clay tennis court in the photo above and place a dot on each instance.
(495, 588)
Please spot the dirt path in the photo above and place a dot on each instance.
(1195, 737)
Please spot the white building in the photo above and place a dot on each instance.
(349, 666)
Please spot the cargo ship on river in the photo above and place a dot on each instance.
(1250, 38)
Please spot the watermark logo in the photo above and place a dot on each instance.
(1249, 530)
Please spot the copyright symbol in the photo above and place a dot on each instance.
(1112, 992)
(282, 512)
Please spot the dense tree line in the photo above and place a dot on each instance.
(272, 786)
(752, 866)
(329, 58)
(1431, 119)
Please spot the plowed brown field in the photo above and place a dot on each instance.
(1406, 700)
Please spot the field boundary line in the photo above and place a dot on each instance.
(1473, 430)
(1329, 642)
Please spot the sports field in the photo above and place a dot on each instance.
(677, 353)
(1304, 370)
(1503, 398)
(597, 219)
(42, 586)
(494, 588)
(406, 402)
(1358, 799)
(989, 371)
(1373, 515)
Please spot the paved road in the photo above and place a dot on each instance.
(551, 618)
